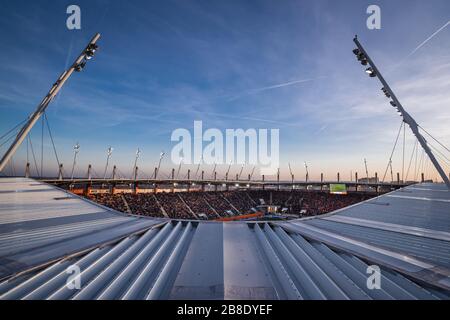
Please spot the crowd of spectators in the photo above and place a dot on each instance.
(197, 202)
(310, 202)
(240, 200)
(143, 204)
(112, 201)
(174, 206)
(212, 205)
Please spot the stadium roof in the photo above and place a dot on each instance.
(45, 230)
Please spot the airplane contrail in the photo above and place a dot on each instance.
(285, 84)
(418, 47)
(275, 86)
(428, 39)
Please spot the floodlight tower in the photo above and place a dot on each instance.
(108, 156)
(76, 149)
(307, 173)
(198, 168)
(161, 156)
(138, 153)
(253, 171)
(77, 66)
(228, 170)
(367, 171)
(213, 171)
(373, 72)
(179, 167)
(240, 172)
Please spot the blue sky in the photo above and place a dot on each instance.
(232, 64)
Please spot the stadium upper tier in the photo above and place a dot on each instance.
(45, 230)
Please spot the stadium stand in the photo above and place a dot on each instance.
(213, 205)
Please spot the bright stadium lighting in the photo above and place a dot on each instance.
(386, 93)
(370, 72)
(80, 66)
(90, 51)
(361, 57)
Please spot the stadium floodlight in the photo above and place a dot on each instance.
(362, 58)
(79, 67)
(76, 149)
(108, 156)
(386, 93)
(370, 72)
(406, 117)
(34, 117)
(161, 156)
(90, 51)
(356, 51)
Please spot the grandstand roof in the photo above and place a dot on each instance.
(39, 222)
(120, 256)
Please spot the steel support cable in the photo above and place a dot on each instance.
(420, 168)
(7, 140)
(439, 152)
(392, 152)
(13, 129)
(425, 166)
(51, 138)
(28, 147)
(443, 161)
(13, 169)
(416, 173)
(34, 155)
(42, 146)
(442, 145)
(95, 172)
(403, 154)
(415, 164)
(121, 175)
(414, 150)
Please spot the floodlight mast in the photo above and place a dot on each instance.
(407, 118)
(33, 118)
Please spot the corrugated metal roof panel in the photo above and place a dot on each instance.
(154, 264)
(423, 205)
(39, 222)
